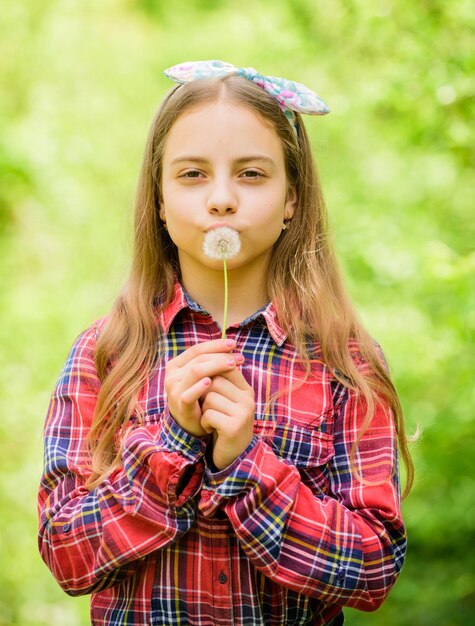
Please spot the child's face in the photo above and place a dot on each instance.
(224, 165)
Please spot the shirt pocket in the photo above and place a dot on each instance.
(303, 447)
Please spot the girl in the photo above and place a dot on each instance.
(249, 480)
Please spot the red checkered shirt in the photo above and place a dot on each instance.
(285, 535)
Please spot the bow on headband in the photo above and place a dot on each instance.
(291, 96)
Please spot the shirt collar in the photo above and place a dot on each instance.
(181, 300)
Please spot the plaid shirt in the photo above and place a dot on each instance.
(285, 535)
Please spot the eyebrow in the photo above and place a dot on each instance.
(244, 159)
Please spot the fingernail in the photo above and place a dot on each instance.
(239, 358)
(230, 343)
(231, 362)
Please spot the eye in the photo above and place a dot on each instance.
(191, 174)
(252, 174)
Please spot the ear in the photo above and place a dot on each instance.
(290, 203)
(159, 203)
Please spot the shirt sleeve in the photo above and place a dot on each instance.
(343, 546)
(92, 539)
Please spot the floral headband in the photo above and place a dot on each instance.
(291, 96)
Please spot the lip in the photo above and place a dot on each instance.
(220, 225)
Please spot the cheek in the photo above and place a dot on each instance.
(271, 214)
(173, 206)
(265, 232)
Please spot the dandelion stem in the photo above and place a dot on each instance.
(225, 313)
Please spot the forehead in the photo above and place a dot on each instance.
(224, 126)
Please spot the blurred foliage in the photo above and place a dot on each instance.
(81, 82)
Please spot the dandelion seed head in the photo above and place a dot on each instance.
(221, 243)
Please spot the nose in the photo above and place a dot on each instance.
(222, 198)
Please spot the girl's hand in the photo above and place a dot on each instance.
(189, 376)
(228, 412)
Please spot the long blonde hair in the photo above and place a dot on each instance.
(303, 276)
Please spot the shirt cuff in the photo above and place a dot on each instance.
(215, 478)
(230, 482)
(174, 439)
(252, 478)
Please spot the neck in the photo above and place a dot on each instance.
(246, 289)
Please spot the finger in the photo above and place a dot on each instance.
(225, 387)
(192, 394)
(207, 368)
(218, 402)
(213, 420)
(214, 346)
(236, 377)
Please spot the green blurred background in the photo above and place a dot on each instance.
(80, 83)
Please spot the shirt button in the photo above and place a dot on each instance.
(223, 579)
(196, 447)
(66, 528)
(340, 574)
